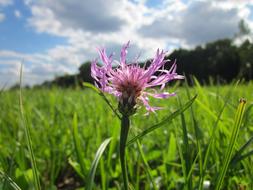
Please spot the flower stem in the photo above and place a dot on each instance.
(123, 139)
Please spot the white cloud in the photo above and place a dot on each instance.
(84, 30)
(83, 34)
(37, 67)
(5, 2)
(96, 22)
(17, 14)
(89, 24)
(94, 16)
(197, 23)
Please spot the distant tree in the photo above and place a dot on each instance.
(16, 86)
(243, 28)
(223, 59)
(215, 59)
(84, 74)
(246, 57)
(65, 81)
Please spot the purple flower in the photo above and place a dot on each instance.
(129, 82)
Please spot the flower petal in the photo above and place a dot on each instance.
(123, 54)
(163, 95)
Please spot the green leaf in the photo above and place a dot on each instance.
(89, 85)
(233, 138)
(95, 162)
(164, 121)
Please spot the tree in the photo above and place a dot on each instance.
(215, 59)
(84, 74)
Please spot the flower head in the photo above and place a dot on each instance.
(129, 82)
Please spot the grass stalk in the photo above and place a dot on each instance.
(230, 149)
(28, 137)
(147, 168)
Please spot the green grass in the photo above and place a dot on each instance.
(68, 126)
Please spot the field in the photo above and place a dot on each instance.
(67, 126)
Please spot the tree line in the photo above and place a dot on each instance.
(221, 61)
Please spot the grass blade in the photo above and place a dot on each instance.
(28, 137)
(98, 91)
(197, 130)
(206, 109)
(183, 161)
(192, 167)
(164, 121)
(3, 88)
(186, 149)
(146, 166)
(8, 179)
(78, 146)
(214, 128)
(91, 86)
(240, 158)
(95, 162)
(235, 132)
(237, 157)
(247, 115)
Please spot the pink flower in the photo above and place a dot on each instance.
(129, 82)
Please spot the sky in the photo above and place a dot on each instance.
(54, 37)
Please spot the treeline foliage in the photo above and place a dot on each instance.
(220, 60)
(72, 80)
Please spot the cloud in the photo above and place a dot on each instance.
(84, 30)
(203, 22)
(2, 17)
(17, 14)
(89, 24)
(197, 23)
(91, 15)
(5, 2)
(84, 36)
(37, 67)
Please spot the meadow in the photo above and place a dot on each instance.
(66, 127)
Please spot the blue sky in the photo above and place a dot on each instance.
(54, 37)
(18, 36)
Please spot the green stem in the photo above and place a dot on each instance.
(123, 138)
